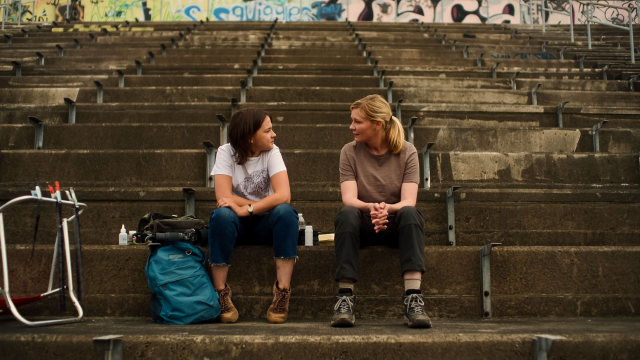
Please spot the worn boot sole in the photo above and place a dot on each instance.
(418, 323)
(275, 318)
(230, 318)
(343, 322)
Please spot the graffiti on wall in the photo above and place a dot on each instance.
(601, 13)
(428, 11)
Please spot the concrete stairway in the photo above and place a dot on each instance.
(565, 215)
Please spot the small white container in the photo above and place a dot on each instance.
(123, 237)
(301, 223)
(308, 235)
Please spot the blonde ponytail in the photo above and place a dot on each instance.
(375, 108)
(395, 135)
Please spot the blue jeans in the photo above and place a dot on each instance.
(277, 228)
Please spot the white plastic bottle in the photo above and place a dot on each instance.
(301, 222)
(308, 235)
(122, 239)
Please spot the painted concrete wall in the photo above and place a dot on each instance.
(428, 11)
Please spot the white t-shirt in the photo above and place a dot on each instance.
(253, 179)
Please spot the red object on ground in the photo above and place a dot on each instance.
(19, 301)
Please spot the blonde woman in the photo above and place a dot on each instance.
(379, 176)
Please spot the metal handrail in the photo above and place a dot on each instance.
(530, 6)
(5, 11)
(569, 13)
(591, 8)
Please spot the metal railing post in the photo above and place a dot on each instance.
(633, 58)
(115, 3)
(571, 20)
(589, 27)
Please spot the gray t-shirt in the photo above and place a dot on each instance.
(379, 177)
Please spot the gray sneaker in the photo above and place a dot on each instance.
(414, 314)
(344, 309)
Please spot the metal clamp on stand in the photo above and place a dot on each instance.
(381, 78)
(534, 98)
(259, 57)
(389, 93)
(451, 216)
(444, 39)
(375, 68)
(485, 285)
(544, 46)
(25, 33)
(453, 44)
(410, 136)
(234, 105)
(8, 37)
(72, 110)
(120, 78)
(163, 49)
(559, 110)
(93, 38)
(111, 345)
(561, 53)
(542, 345)
(465, 52)
(479, 60)
(513, 80)
(595, 131)
(100, 90)
(40, 58)
(494, 74)
(138, 67)
(604, 71)
(368, 57)
(182, 37)
(189, 201)
(77, 42)
(173, 43)
(105, 31)
(243, 91)
(224, 125)
(17, 67)
(399, 110)
(249, 78)
(364, 50)
(426, 165)
(211, 161)
(39, 125)
(152, 58)
(255, 67)
(582, 63)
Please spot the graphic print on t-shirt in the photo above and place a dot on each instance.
(256, 184)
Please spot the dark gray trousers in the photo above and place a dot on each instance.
(354, 230)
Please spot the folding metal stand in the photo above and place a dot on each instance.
(11, 304)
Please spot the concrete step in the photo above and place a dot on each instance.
(525, 281)
(502, 83)
(305, 94)
(327, 136)
(188, 80)
(513, 217)
(449, 339)
(98, 168)
(456, 115)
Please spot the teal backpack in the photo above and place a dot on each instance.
(181, 290)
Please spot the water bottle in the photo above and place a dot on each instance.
(301, 223)
(308, 235)
(122, 239)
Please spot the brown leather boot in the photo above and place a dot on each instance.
(228, 312)
(279, 309)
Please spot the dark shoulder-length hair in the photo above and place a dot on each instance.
(243, 125)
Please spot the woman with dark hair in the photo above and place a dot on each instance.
(379, 176)
(252, 189)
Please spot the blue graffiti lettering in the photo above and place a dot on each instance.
(219, 12)
(331, 12)
(190, 9)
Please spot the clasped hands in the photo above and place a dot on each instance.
(229, 203)
(379, 213)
